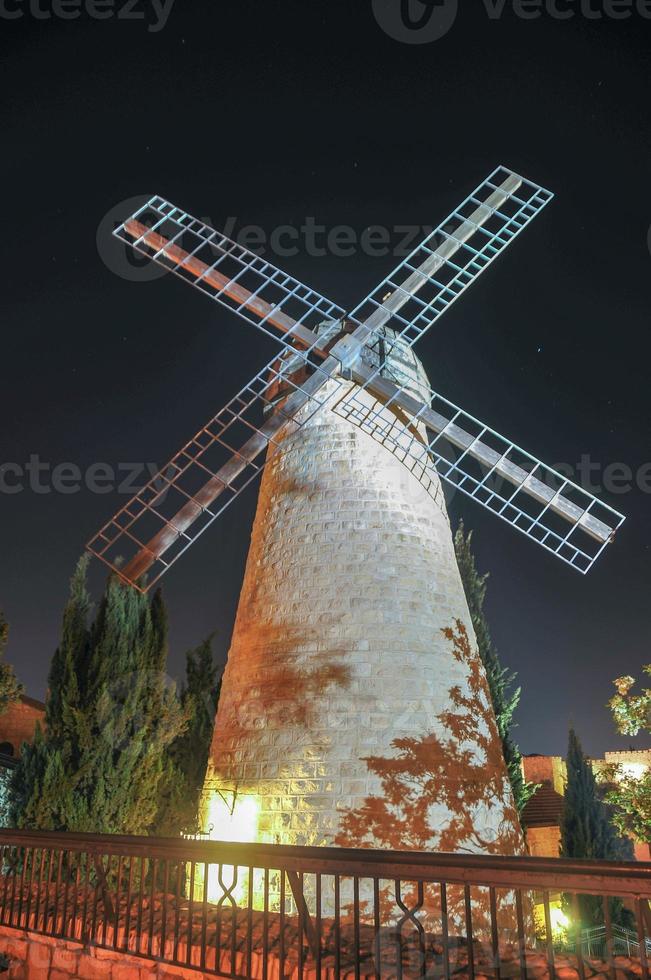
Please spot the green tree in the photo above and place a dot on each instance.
(110, 718)
(10, 689)
(188, 754)
(504, 696)
(629, 794)
(588, 832)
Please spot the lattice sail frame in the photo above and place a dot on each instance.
(217, 458)
(274, 302)
(532, 497)
(235, 277)
(435, 275)
(439, 270)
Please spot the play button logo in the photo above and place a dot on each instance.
(415, 21)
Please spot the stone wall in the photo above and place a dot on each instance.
(640, 757)
(354, 708)
(34, 957)
(550, 770)
(544, 841)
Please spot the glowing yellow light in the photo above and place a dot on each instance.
(235, 819)
(559, 921)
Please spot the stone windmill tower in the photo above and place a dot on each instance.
(339, 651)
(354, 708)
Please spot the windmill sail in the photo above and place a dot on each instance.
(532, 497)
(151, 532)
(228, 273)
(422, 287)
(433, 435)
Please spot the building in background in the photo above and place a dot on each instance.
(542, 814)
(633, 762)
(18, 724)
(541, 818)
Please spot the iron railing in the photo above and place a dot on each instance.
(259, 910)
(594, 942)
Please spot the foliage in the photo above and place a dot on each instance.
(630, 795)
(504, 696)
(631, 712)
(10, 689)
(588, 832)
(110, 718)
(188, 754)
(443, 792)
(431, 775)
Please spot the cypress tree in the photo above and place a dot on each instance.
(587, 831)
(504, 696)
(188, 755)
(110, 718)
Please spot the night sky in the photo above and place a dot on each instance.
(271, 113)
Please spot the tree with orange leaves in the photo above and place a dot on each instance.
(630, 794)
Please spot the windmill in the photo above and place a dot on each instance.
(353, 642)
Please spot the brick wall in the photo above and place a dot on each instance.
(18, 722)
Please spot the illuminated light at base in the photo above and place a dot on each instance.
(558, 919)
(234, 820)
